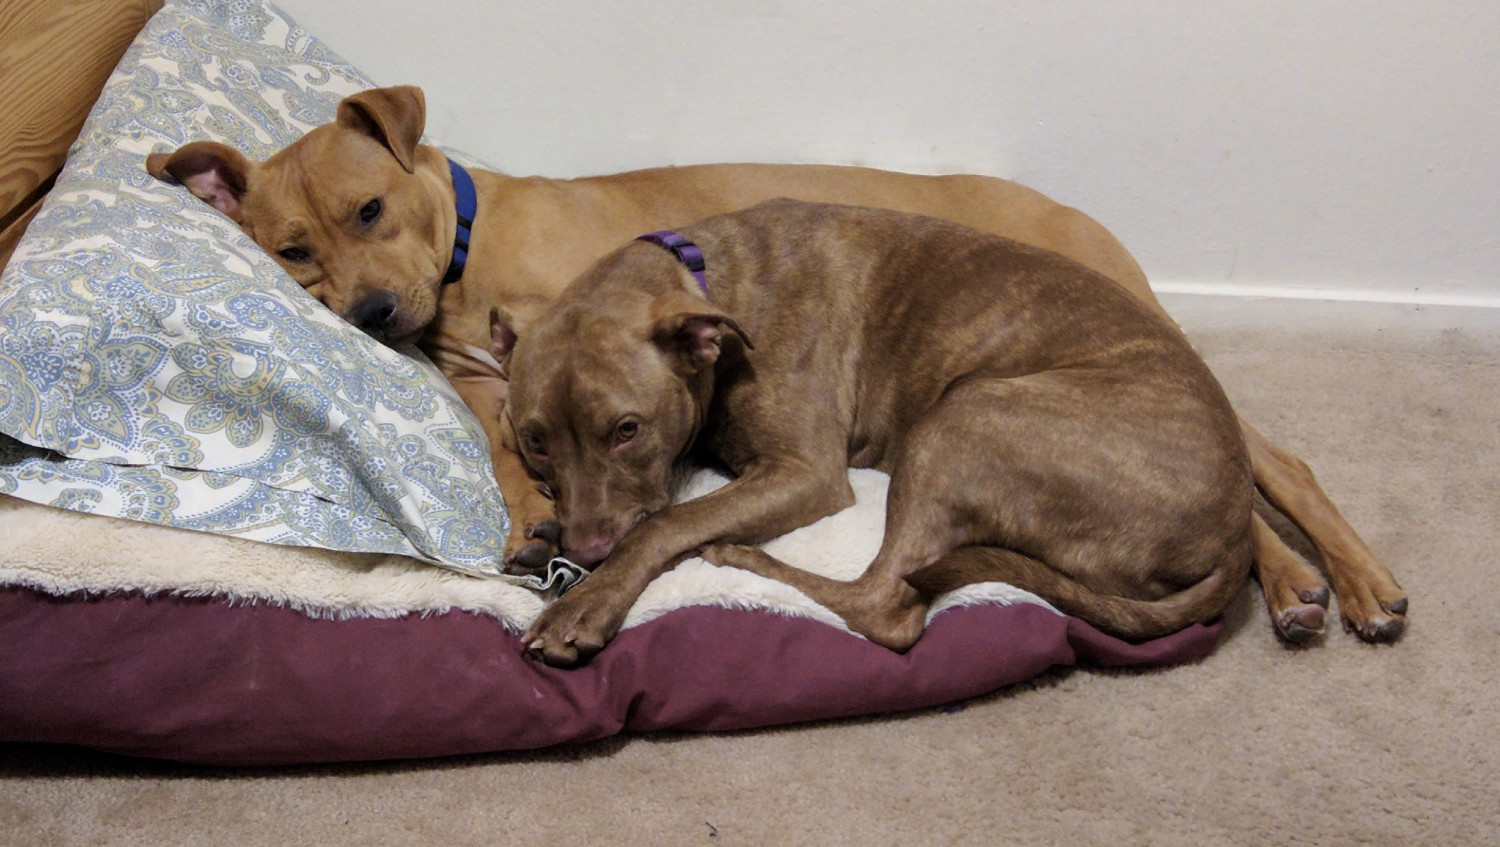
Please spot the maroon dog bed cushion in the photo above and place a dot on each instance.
(204, 681)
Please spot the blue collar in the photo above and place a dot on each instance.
(466, 202)
(686, 252)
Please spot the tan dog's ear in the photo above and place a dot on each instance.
(215, 173)
(692, 329)
(393, 116)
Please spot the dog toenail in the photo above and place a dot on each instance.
(1381, 632)
(550, 531)
(1317, 596)
(1298, 634)
(1396, 608)
(1390, 630)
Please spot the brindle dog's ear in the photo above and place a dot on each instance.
(508, 323)
(215, 173)
(393, 116)
(503, 337)
(692, 329)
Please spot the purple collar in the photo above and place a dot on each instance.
(686, 252)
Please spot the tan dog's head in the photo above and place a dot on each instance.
(609, 389)
(356, 211)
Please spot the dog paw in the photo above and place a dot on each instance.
(573, 629)
(1383, 627)
(1301, 623)
(549, 530)
(543, 542)
(529, 559)
(1298, 612)
(1371, 604)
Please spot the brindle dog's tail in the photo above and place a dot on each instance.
(1124, 617)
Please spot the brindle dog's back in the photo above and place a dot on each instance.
(905, 306)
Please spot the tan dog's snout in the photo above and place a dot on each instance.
(377, 314)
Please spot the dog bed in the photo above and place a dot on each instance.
(204, 566)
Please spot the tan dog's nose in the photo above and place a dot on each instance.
(376, 314)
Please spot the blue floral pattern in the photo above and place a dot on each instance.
(155, 365)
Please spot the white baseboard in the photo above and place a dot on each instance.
(1414, 297)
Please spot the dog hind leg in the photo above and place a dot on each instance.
(888, 613)
(964, 499)
(1124, 617)
(1296, 595)
(1372, 605)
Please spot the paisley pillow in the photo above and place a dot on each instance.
(156, 365)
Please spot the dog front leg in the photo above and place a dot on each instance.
(763, 503)
(535, 534)
(534, 531)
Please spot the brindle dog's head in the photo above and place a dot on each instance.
(356, 211)
(609, 389)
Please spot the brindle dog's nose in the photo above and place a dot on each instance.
(590, 550)
(375, 314)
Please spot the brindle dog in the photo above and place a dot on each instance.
(1041, 427)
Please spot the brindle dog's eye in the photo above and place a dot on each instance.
(626, 431)
(295, 255)
(534, 444)
(370, 212)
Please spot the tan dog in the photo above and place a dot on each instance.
(1041, 427)
(363, 216)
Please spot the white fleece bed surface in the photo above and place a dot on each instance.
(61, 552)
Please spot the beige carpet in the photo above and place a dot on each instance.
(1396, 408)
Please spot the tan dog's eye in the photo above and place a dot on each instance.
(295, 255)
(626, 431)
(370, 212)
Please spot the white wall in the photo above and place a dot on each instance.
(1346, 144)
